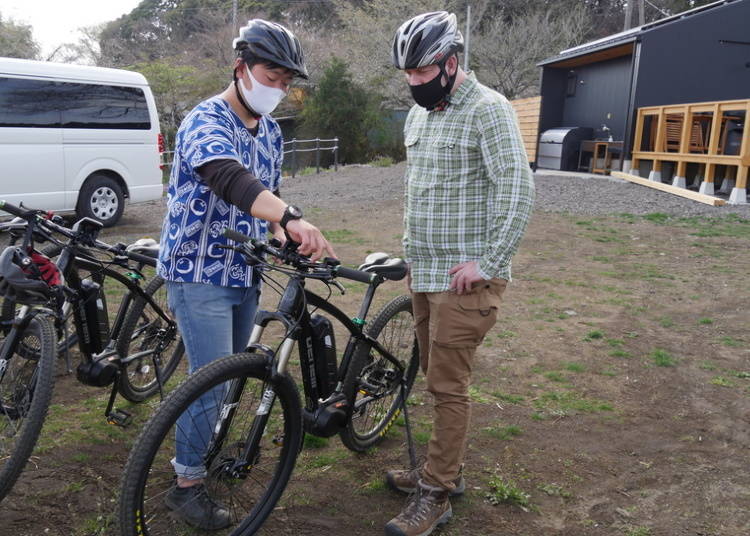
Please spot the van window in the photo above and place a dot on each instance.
(97, 106)
(40, 103)
(29, 103)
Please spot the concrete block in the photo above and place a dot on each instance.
(679, 182)
(738, 196)
(654, 176)
(707, 188)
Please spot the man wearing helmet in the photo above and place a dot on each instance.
(469, 193)
(226, 174)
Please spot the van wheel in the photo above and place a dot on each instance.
(101, 198)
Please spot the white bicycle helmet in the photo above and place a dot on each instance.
(429, 38)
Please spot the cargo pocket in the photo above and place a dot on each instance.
(466, 318)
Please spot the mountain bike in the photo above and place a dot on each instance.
(28, 352)
(249, 405)
(137, 327)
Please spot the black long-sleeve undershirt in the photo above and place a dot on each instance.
(232, 182)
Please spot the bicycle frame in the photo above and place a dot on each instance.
(322, 417)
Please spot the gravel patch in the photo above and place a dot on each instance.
(361, 186)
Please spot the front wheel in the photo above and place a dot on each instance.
(26, 383)
(374, 383)
(185, 428)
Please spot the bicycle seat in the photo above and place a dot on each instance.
(374, 258)
(393, 269)
(145, 246)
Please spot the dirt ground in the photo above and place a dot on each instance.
(611, 398)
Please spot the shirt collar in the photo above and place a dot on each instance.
(463, 91)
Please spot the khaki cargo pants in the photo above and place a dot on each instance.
(449, 328)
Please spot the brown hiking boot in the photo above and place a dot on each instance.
(429, 509)
(405, 481)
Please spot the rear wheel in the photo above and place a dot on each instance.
(374, 383)
(142, 330)
(248, 487)
(25, 392)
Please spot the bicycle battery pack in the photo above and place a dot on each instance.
(324, 349)
(91, 319)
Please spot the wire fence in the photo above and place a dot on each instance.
(297, 146)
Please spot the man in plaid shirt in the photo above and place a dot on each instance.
(469, 194)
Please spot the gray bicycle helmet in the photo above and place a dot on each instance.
(272, 42)
(20, 280)
(429, 38)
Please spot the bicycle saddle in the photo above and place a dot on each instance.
(394, 269)
(145, 246)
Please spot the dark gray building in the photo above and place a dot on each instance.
(696, 56)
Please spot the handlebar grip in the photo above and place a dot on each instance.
(12, 209)
(231, 234)
(143, 259)
(355, 275)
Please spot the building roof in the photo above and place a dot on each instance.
(628, 36)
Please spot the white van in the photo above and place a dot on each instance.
(77, 138)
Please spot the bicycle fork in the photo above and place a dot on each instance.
(251, 449)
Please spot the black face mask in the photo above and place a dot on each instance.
(434, 94)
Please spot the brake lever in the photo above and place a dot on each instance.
(338, 286)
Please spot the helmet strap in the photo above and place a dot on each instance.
(443, 104)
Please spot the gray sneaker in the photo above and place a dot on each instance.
(195, 507)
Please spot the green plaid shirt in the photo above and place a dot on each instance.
(469, 189)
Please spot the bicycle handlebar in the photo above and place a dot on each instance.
(252, 246)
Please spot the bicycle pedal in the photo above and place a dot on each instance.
(120, 417)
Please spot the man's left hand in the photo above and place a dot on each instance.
(464, 275)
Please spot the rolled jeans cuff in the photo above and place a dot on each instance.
(190, 473)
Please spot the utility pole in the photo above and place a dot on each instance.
(468, 35)
(234, 15)
(641, 12)
(628, 16)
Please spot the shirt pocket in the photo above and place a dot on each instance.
(457, 160)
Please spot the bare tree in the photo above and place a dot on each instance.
(507, 51)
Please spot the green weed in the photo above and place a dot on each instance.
(508, 492)
(594, 335)
(705, 321)
(662, 358)
(505, 433)
(575, 367)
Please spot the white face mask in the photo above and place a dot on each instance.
(262, 99)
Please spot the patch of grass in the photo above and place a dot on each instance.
(600, 258)
(478, 396)
(662, 358)
(382, 161)
(731, 342)
(705, 321)
(507, 492)
(505, 433)
(638, 531)
(707, 365)
(374, 486)
(537, 416)
(422, 436)
(594, 335)
(343, 236)
(512, 399)
(657, 217)
(565, 402)
(615, 343)
(575, 367)
(506, 334)
(555, 376)
(608, 372)
(722, 381)
(666, 322)
(554, 490)
(314, 442)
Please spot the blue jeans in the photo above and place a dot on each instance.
(214, 322)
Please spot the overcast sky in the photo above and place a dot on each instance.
(55, 22)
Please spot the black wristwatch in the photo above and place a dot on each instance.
(290, 213)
